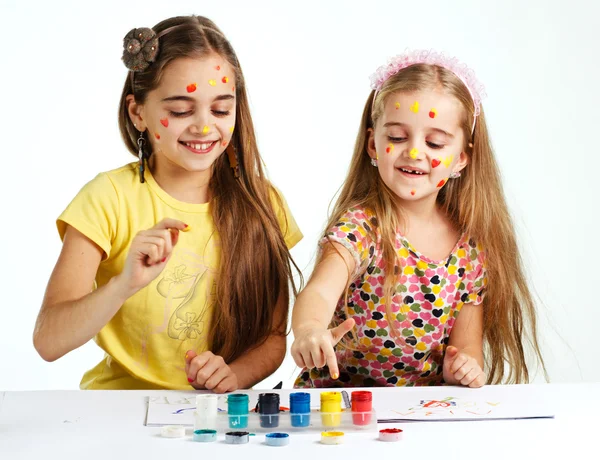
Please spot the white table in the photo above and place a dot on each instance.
(109, 425)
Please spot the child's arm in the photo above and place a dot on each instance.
(463, 362)
(70, 314)
(211, 372)
(314, 308)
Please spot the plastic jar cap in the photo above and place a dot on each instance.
(277, 439)
(300, 397)
(390, 434)
(332, 437)
(206, 404)
(362, 396)
(172, 431)
(331, 396)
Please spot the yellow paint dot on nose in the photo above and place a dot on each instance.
(414, 153)
(415, 107)
(212, 82)
(205, 130)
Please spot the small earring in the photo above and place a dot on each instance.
(455, 175)
(374, 162)
(140, 142)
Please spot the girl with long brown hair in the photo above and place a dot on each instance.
(419, 259)
(177, 264)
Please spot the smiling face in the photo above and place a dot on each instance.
(190, 116)
(418, 142)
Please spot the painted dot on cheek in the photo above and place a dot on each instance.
(390, 148)
(191, 87)
(441, 183)
(435, 163)
(225, 80)
(448, 160)
(231, 129)
(224, 143)
(157, 136)
(205, 130)
(164, 122)
(212, 82)
(432, 113)
(218, 67)
(233, 89)
(414, 153)
(397, 105)
(412, 192)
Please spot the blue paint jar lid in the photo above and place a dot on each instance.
(277, 439)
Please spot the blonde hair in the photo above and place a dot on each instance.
(476, 206)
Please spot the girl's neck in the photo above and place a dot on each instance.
(185, 186)
(420, 213)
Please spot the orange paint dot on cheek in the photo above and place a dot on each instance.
(435, 163)
(390, 148)
(157, 136)
(218, 67)
(441, 183)
(191, 87)
(224, 143)
(412, 192)
(164, 122)
(432, 113)
(225, 80)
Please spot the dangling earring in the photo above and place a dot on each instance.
(233, 162)
(455, 175)
(140, 142)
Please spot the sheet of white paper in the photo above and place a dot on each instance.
(423, 404)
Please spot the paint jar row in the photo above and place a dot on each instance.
(268, 416)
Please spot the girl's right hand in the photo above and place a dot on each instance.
(148, 255)
(313, 346)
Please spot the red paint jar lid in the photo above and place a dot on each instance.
(362, 396)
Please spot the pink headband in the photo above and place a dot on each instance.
(410, 58)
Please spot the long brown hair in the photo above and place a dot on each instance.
(474, 203)
(255, 267)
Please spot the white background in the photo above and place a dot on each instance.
(307, 66)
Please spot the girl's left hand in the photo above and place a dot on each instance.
(462, 369)
(208, 371)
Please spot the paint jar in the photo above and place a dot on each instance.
(300, 409)
(206, 412)
(331, 408)
(237, 408)
(362, 405)
(268, 408)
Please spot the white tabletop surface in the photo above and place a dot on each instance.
(110, 425)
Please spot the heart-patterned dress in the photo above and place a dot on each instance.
(427, 300)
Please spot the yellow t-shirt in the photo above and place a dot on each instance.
(146, 341)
